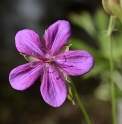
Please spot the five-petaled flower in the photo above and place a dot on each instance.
(51, 60)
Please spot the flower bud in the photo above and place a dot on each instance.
(113, 7)
(106, 6)
(71, 94)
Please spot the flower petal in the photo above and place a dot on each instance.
(53, 88)
(25, 75)
(57, 35)
(75, 63)
(28, 42)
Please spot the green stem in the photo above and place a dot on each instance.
(121, 60)
(113, 98)
(81, 105)
(111, 26)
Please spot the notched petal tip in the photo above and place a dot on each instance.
(22, 77)
(57, 35)
(75, 63)
(53, 88)
(28, 42)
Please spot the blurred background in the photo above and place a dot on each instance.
(89, 23)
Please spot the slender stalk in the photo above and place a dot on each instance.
(111, 26)
(113, 98)
(81, 105)
(121, 60)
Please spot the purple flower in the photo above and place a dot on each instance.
(51, 60)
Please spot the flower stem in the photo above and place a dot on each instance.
(111, 26)
(113, 99)
(81, 105)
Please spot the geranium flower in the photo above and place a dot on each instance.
(49, 59)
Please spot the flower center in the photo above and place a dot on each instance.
(48, 59)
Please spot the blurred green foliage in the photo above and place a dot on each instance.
(96, 26)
